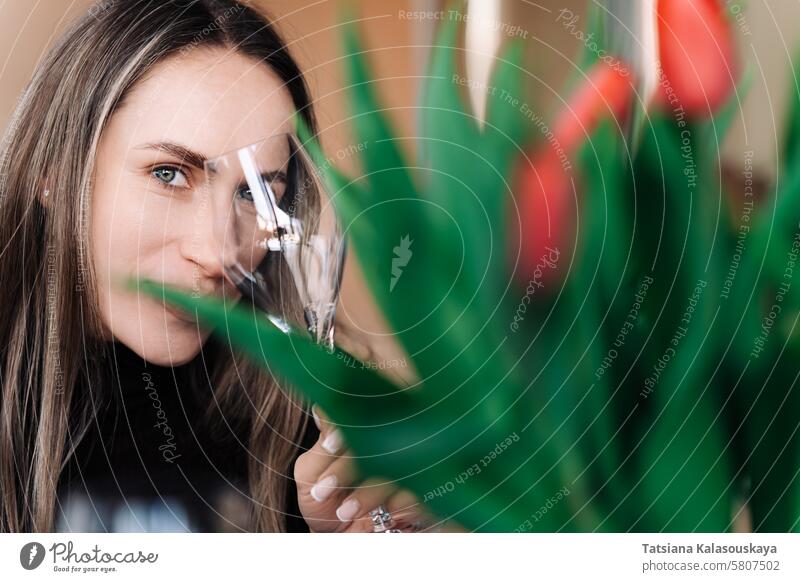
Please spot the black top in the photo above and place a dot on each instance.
(154, 460)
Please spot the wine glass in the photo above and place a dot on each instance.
(282, 243)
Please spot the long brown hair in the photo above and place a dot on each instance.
(50, 327)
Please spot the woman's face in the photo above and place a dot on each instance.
(152, 217)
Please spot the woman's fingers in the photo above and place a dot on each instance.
(319, 502)
(334, 481)
(330, 437)
(329, 500)
(408, 514)
(329, 446)
(406, 510)
(324, 475)
(360, 501)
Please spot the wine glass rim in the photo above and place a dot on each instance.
(289, 134)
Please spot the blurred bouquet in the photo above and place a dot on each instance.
(604, 337)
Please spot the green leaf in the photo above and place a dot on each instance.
(791, 143)
(395, 433)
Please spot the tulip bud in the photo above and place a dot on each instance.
(697, 53)
(544, 185)
(546, 206)
(605, 92)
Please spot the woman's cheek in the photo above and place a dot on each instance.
(127, 234)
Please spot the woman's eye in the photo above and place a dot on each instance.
(170, 176)
(245, 194)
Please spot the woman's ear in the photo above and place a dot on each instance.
(44, 194)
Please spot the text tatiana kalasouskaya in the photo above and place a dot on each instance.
(749, 548)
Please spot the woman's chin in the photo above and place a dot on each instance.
(172, 349)
(175, 358)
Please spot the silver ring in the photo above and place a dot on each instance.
(382, 521)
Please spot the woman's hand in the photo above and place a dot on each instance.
(330, 499)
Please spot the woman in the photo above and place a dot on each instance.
(118, 413)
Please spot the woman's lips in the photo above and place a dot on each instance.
(231, 296)
(180, 315)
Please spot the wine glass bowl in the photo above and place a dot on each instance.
(281, 240)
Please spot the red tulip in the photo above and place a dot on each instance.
(544, 181)
(697, 53)
(605, 92)
(546, 213)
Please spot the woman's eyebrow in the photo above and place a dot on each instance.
(179, 151)
(274, 175)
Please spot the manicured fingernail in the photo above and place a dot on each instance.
(332, 442)
(315, 414)
(323, 488)
(347, 510)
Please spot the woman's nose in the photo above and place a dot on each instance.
(204, 242)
